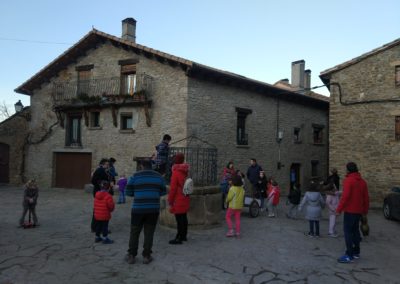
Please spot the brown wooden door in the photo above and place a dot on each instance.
(73, 170)
(4, 163)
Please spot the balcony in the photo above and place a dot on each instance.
(103, 91)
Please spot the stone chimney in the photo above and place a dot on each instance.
(298, 74)
(307, 79)
(129, 29)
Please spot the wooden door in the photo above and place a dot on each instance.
(4, 163)
(72, 170)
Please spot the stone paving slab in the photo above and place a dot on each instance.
(271, 250)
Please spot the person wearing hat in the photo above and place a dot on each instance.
(179, 202)
(354, 203)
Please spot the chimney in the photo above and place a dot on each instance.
(307, 79)
(129, 29)
(298, 74)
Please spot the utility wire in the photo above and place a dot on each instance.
(34, 41)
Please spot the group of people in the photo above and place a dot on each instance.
(148, 185)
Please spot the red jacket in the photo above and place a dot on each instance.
(179, 203)
(103, 206)
(355, 197)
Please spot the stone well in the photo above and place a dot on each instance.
(204, 212)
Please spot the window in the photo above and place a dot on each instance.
(73, 130)
(128, 79)
(241, 135)
(95, 119)
(126, 121)
(397, 128)
(296, 135)
(318, 134)
(397, 72)
(314, 168)
(84, 77)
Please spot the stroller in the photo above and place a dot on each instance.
(254, 204)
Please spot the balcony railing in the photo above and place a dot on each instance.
(97, 88)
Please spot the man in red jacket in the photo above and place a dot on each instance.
(354, 203)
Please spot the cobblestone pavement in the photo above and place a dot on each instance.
(62, 249)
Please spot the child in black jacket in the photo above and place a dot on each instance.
(31, 194)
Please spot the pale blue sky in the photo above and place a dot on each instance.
(255, 38)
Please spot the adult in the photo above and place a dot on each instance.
(146, 186)
(334, 178)
(31, 194)
(111, 170)
(179, 203)
(99, 175)
(161, 160)
(227, 174)
(354, 203)
(253, 172)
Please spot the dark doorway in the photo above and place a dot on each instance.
(294, 174)
(4, 163)
(72, 170)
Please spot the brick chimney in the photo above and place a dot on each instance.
(298, 74)
(307, 79)
(129, 29)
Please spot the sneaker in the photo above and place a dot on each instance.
(237, 235)
(147, 259)
(356, 256)
(98, 239)
(107, 241)
(230, 234)
(184, 239)
(345, 259)
(333, 235)
(130, 259)
(308, 234)
(175, 242)
(271, 215)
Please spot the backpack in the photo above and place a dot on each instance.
(188, 186)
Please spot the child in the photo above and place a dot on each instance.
(313, 201)
(294, 200)
(31, 194)
(261, 189)
(103, 206)
(273, 199)
(332, 201)
(235, 201)
(121, 186)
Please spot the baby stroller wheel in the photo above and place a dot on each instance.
(254, 209)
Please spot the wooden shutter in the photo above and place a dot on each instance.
(397, 128)
(130, 68)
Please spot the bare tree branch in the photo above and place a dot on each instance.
(5, 111)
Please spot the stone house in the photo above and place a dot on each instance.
(364, 117)
(111, 97)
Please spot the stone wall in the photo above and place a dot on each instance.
(168, 115)
(212, 117)
(365, 133)
(13, 133)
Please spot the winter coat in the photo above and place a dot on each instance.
(103, 205)
(253, 172)
(99, 175)
(122, 184)
(261, 187)
(30, 193)
(294, 196)
(228, 174)
(355, 198)
(179, 203)
(332, 201)
(334, 179)
(313, 202)
(274, 195)
(235, 197)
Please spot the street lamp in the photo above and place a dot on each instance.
(279, 140)
(18, 106)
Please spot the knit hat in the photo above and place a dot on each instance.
(179, 158)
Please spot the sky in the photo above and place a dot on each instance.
(255, 38)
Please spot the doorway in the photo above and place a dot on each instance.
(4, 163)
(294, 174)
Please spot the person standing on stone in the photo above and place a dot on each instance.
(31, 194)
(227, 174)
(146, 186)
(253, 172)
(313, 202)
(179, 203)
(161, 159)
(354, 202)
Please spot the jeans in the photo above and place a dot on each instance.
(314, 224)
(147, 222)
(228, 216)
(101, 228)
(352, 235)
(182, 226)
(121, 198)
(32, 211)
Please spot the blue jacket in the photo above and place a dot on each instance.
(253, 172)
(146, 187)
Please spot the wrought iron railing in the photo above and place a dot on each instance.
(99, 87)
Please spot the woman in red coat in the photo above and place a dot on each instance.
(178, 202)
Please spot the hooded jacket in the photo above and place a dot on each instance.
(313, 202)
(179, 203)
(103, 206)
(235, 197)
(355, 198)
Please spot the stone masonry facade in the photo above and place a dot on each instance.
(362, 127)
